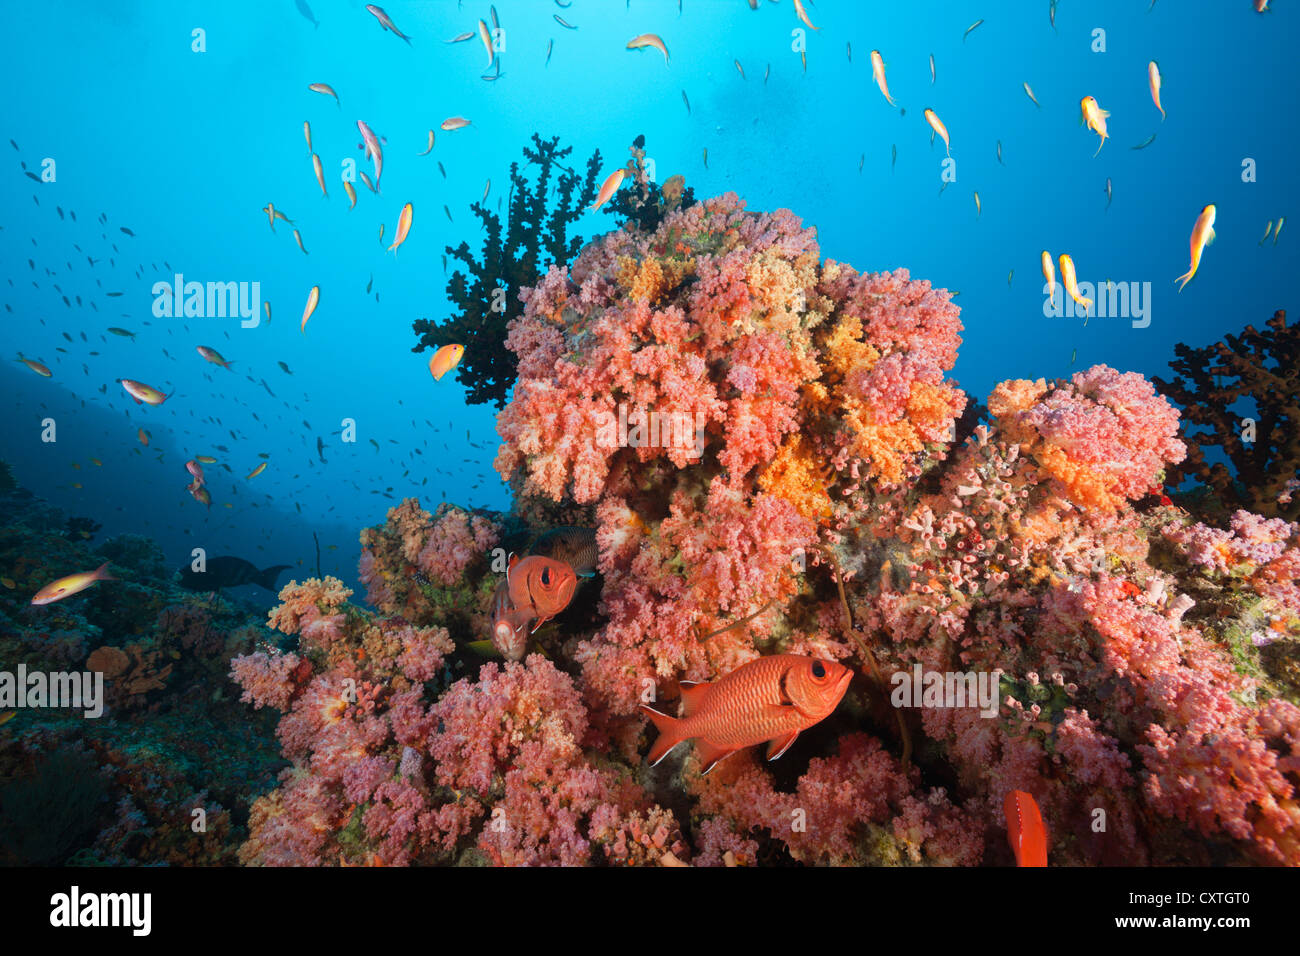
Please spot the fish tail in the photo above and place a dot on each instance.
(101, 573)
(266, 578)
(670, 734)
(1184, 279)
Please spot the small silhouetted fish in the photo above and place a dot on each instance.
(127, 231)
(306, 12)
(13, 144)
(443, 171)
(320, 450)
(226, 571)
(33, 177)
(285, 367)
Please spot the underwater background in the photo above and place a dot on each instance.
(143, 140)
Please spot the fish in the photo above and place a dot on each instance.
(1145, 143)
(486, 37)
(365, 178)
(205, 459)
(562, 22)
(313, 299)
(1153, 81)
(444, 360)
(142, 392)
(403, 224)
(650, 41)
(1202, 236)
(1267, 229)
(550, 45)
(195, 469)
(540, 586)
(267, 307)
(1071, 284)
(575, 546)
(386, 21)
(848, 50)
(127, 231)
(803, 14)
(1049, 273)
(1030, 93)
(306, 131)
(284, 368)
(326, 89)
(373, 150)
(462, 37)
(1109, 192)
(37, 367)
(257, 471)
(937, 125)
(298, 239)
(1094, 117)
(1051, 12)
(381, 231)
(430, 149)
(1009, 276)
(878, 73)
(978, 208)
(213, 356)
(143, 436)
(1277, 230)
(609, 187)
(454, 122)
(772, 699)
(1025, 829)
(509, 625)
(351, 193)
(447, 210)
(1000, 163)
(72, 584)
(227, 571)
(970, 28)
(706, 157)
(320, 174)
(306, 12)
(893, 155)
(739, 69)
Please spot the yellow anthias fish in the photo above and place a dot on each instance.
(454, 122)
(257, 471)
(404, 224)
(487, 43)
(1049, 273)
(1153, 81)
(936, 124)
(444, 360)
(1095, 118)
(213, 356)
(803, 14)
(298, 239)
(142, 392)
(1202, 236)
(306, 131)
(72, 584)
(646, 41)
(327, 90)
(878, 73)
(352, 193)
(609, 187)
(1071, 284)
(1030, 93)
(313, 299)
(205, 459)
(430, 149)
(320, 173)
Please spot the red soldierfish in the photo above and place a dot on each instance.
(540, 587)
(1025, 829)
(373, 150)
(386, 21)
(770, 699)
(509, 625)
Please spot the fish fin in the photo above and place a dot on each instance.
(779, 745)
(484, 648)
(693, 694)
(710, 754)
(101, 573)
(540, 622)
(1184, 278)
(1209, 236)
(266, 577)
(670, 734)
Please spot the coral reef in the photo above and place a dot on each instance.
(1240, 401)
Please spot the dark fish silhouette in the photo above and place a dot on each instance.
(306, 12)
(229, 572)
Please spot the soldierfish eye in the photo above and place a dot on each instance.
(546, 577)
(818, 670)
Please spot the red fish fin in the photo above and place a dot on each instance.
(779, 745)
(1025, 829)
(693, 694)
(669, 734)
(540, 622)
(101, 573)
(709, 754)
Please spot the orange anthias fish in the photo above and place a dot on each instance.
(1049, 273)
(1095, 118)
(142, 392)
(608, 188)
(1071, 283)
(878, 73)
(936, 124)
(320, 174)
(1025, 829)
(540, 587)
(313, 300)
(403, 227)
(444, 360)
(72, 584)
(487, 44)
(213, 356)
(386, 21)
(771, 699)
(647, 40)
(453, 122)
(1202, 236)
(1153, 81)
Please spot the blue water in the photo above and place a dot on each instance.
(184, 148)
